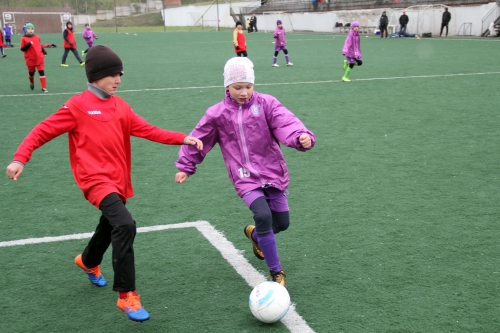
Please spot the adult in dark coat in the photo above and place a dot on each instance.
(444, 22)
(384, 22)
(253, 23)
(403, 21)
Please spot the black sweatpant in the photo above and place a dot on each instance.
(116, 227)
(65, 55)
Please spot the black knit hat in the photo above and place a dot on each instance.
(100, 62)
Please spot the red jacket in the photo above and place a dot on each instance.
(71, 38)
(33, 56)
(99, 142)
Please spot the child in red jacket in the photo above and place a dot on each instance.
(239, 41)
(69, 44)
(99, 126)
(34, 56)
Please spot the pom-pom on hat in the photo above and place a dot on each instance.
(237, 69)
(354, 24)
(278, 22)
(100, 62)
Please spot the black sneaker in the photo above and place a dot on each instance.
(32, 86)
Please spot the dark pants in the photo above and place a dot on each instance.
(267, 220)
(382, 29)
(402, 31)
(442, 27)
(116, 227)
(242, 54)
(65, 55)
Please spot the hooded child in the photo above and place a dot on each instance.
(352, 51)
(249, 127)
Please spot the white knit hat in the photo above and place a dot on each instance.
(238, 69)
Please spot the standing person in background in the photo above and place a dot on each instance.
(34, 56)
(24, 27)
(239, 41)
(384, 22)
(99, 127)
(352, 51)
(280, 44)
(70, 45)
(403, 21)
(445, 21)
(89, 37)
(8, 35)
(249, 26)
(253, 23)
(250, 128)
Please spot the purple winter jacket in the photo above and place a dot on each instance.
(88, 35)
(280, 38)
(352, 48)
(249, 137)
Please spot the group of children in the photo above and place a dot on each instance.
(248, 126)
(351, 49)
(34, 53)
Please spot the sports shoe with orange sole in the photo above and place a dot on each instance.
(256, 249)
(95, 276)
(278, 277)
(132, 307)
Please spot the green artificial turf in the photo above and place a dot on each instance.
(394, 212)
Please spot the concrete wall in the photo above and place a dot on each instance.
(465, 20)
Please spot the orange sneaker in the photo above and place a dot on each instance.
(95, 276)
(132, 307)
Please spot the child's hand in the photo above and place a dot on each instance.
(305, 140)
(189, 140)
(180, 177)
(14, 170)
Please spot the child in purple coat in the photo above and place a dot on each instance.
(352, 51)
(280, 44)
(8, 35)
(89, 36)
(249, 127)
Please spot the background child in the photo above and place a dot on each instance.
(249, 26)
(280, 44)
(2, 45)
(99, 126)
(249, 127)
(351, 51)
(8, 35)
(34, 56)
(69, 44)
(239, 41)
(89, 36)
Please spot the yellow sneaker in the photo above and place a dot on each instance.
(278, 277)
(256, 249)
(82, 63)
(64, 65)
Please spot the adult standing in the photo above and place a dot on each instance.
(253, 23)
(70, 45)
(384, 22)
(444, 22)
(403, 21)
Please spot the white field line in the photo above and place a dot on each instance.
(293, 321)
(271, 84)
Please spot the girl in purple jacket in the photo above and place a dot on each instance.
(352, 51)
(280, 44)
(249, 127)
(89, 37)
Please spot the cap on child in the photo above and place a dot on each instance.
(100, 62)
(278, 22)
(237, 69)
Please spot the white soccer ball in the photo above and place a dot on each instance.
(269, 302)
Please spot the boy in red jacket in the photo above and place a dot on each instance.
(34, 56)
(69, 44)
(99, 126)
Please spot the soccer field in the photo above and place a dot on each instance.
(394, 212)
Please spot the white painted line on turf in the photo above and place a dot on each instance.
(293, 321)
(274, 84)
